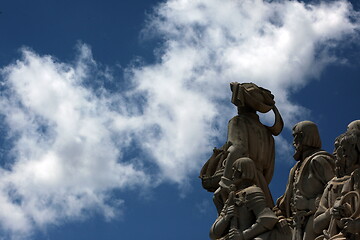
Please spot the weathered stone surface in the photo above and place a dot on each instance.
(322, 196)
(338, 214)
(307, 180)
(247, 137)
(245, 214)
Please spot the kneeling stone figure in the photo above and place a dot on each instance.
(245, 214)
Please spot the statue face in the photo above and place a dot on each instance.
(346, 155)
(297, 143)
(236, 176)
(244, 171)
(237, 94)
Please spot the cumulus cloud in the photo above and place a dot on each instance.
(279, 45)
(70, 140)
(66, 157)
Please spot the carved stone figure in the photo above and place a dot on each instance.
(245, 214)
(338, 215)
(247, 137)
(307, 180)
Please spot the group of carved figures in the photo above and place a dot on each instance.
(321, 200)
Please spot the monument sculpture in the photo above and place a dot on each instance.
(322, 196)
(245, 214)
(247, 137)
(307, 180)
(338, 214)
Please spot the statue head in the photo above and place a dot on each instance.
(248, 97)
(244, 170)
(251, 96)
(354, 126)
(347, 153)
(306, 136)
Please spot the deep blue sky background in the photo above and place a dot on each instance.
(113, 30)
(50, 27)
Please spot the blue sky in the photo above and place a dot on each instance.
(109, 109)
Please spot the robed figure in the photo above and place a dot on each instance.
(247, 137)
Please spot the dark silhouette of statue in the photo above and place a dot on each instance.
(307, 180)
(322, 196)
(247, 137)
(245, 214)
(338, 215)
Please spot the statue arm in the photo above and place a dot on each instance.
(265, 218)
(263, 224)
(238, 142)
(281, 208)
(218, 229)
(222, 223)
(322, 216)
(322, 168)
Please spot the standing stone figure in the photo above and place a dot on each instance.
(247, 137)
(245, 215)
(307, 180)
(338, 215)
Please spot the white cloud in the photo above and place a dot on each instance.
(278, 45)
(66, 157)
(70, 140)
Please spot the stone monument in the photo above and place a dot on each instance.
(307, 180)
(322, 196)
(338, 214)
(247, 137)
(245, 214)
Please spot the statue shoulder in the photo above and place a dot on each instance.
(322, 157)
(322, 166)
(253, 193)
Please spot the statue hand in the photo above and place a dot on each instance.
(351, 226)
(234, 234)
(230, 213)
(341, 211)
(335, 212)
(301, 203)
(283, 226)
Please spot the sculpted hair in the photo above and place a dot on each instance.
(352, 138)
(310, 133)
(247, 168)
(354, 126)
